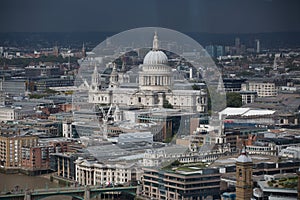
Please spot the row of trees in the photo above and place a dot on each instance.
(23, 62)
(233, 99)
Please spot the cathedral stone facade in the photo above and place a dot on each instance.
(155, 87)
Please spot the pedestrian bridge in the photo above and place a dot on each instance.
(83, 193)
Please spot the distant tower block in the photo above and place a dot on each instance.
(237, 42)
(244, 183)
(257, 46)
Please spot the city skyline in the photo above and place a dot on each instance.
(216, 16)
(195, 99)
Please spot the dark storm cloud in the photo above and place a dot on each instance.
(216, 16)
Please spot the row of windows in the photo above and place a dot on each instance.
(259, 148)
(209, 178)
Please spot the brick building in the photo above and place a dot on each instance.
(11, 148)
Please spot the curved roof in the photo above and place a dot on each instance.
(243, 158)
(155, 56)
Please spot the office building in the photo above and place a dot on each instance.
(41, 71)
(35, 158)
(263, 88)
(183, 183)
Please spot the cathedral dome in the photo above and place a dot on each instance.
(155, 56)
(155, 74)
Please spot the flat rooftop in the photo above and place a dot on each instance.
(231, 160)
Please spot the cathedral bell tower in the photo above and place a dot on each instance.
(244, 176)
(114, 78)
(96, 84)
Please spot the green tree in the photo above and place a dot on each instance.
(233, 99)
(166, 104)
(50, 91)
(195, 87)
(246, 73)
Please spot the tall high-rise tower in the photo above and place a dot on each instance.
(257, 46)
(237, 42)
(243, 177)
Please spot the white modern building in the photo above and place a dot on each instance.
(7, 114)
(269, 149)
(290, 152)
(249, 115)
(67, 129)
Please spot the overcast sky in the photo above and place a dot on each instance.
(212, 16)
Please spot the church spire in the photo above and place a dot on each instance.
(83, 50)
(114, 79)
(114, 68)
(95, 69)
(155, 42)
(95, 79)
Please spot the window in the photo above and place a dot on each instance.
(240, 173)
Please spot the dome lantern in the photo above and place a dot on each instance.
(155, 56)
(155, 42)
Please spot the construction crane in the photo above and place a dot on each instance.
(105, 117)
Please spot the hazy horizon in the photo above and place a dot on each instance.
(200, 16)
